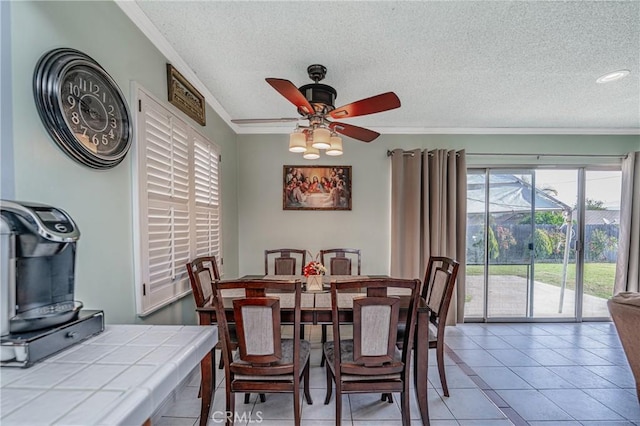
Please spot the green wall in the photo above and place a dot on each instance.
(263, 223)
(99, 201)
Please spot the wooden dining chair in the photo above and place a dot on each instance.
(371, 361)
(341, 261)
(437, 291)
(284, 261)
(264, 361)
(203, 271)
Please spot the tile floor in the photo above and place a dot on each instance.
(542, 374)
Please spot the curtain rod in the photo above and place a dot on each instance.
(519, 154)
(411, 153)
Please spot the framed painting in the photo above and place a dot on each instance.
(316, 188)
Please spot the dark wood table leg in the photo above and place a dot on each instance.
(206, 387)
(421, 364)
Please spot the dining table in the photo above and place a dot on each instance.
(315, 309)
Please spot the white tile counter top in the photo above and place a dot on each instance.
(119, 377)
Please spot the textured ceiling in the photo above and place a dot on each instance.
(473, 66)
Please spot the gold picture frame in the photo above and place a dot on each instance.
(316, 188)
(184, 96)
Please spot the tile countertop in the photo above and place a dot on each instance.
(120, 376)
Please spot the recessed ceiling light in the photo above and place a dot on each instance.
(613, 76)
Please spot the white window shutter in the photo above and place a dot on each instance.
(207, 198)
(178, 203)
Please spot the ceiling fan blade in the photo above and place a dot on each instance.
(355, 132)
(378, 103)
(291, 92)
(264, 120)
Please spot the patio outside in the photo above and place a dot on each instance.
(530, 250)
(508, 298)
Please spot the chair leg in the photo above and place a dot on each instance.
(213, 366)
(247, 398)
(324, 339)
(338, 405)
(305, 377)
(387, 397)
(327, 397)
(231, 406)
(296, 402)
(404, 403)
(440, 360)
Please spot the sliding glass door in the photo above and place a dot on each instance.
(601, 227)
(525, 248)
(509, 232)
(555, 254)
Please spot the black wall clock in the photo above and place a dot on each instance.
(82, 108)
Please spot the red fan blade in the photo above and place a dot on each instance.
(355, 132)
(291, 92)
(379, 103)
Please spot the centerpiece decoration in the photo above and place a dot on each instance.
(314, 271)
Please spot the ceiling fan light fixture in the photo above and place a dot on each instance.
(321, 138)
(336, 146)
(311, 153)
(297, 142)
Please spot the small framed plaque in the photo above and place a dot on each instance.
(184, 96)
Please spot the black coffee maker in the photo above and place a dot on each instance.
(37, 255)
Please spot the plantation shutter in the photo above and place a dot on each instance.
(207, 199)
(178, 203)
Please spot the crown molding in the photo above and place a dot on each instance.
(138, 17)
(252, 130)
(510, 131)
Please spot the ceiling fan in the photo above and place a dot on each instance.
(315, 102)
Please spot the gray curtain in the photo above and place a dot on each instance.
(429, 215)
(628, 265)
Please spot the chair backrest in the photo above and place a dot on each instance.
(256, 314)
(284, 261)
(341, 260)
(439, 282)
(202, 272)
(376, 316)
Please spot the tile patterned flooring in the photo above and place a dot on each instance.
(541, 374)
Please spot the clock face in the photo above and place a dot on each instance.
(82, 108)
(93, 111)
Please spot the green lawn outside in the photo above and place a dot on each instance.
(598, 277)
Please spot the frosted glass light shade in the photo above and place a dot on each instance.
(335, 147)
(297, 142)
(311, 153)
(321, 138)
